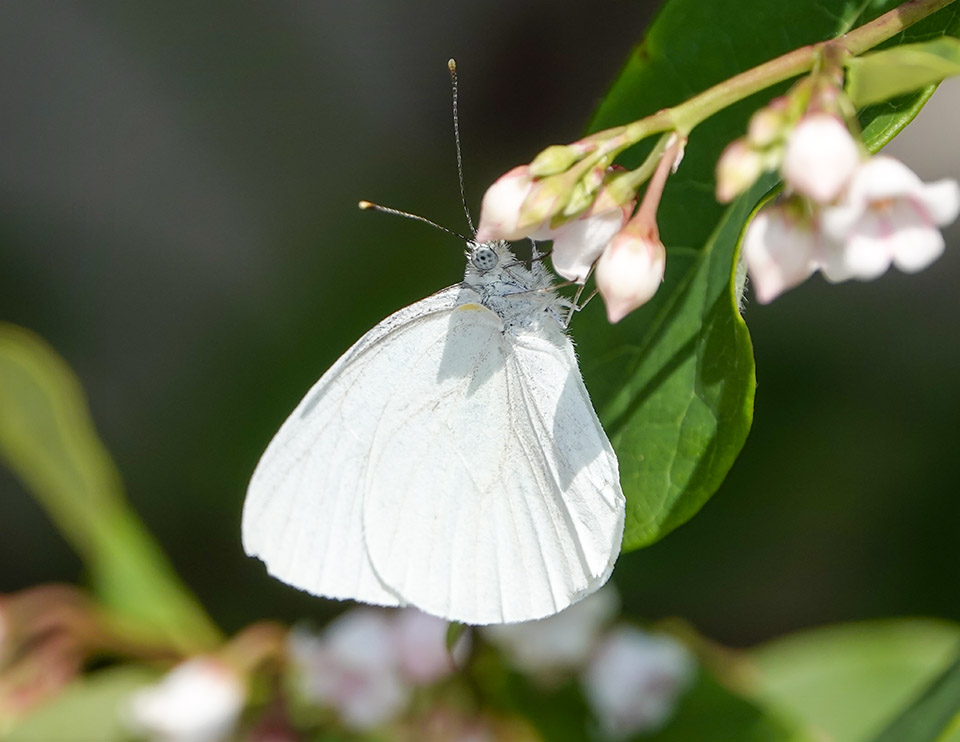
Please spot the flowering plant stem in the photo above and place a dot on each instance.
(683, 118)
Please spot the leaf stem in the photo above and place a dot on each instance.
(684, 117)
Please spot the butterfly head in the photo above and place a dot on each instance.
(483, 256)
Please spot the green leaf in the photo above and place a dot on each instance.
(847, 682)
(930, 716)
(674, 382)
(88, 709)
(706, 712)
(711, 712)
(48, 439)
(454, 632)
(886, 74)
(952, 731)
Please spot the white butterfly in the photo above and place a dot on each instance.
(450, 460)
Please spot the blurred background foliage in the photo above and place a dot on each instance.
(179, 185)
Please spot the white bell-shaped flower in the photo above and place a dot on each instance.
(200, 700)
(888, 216)
(780, 248)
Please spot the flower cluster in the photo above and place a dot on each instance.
(366, 664)
(844, 213)
(568, 196)
(630, 678)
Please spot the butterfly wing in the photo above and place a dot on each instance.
(302, 515)
(492, 493)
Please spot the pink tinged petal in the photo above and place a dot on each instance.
(779, 251)
(915, 242)
(578, 244)
(941, 200)
(867, 252)
(917, 248)
(821, 157)
(500, 208)
(832, 262)
(882, 178)
(838, 221)
(629, 273)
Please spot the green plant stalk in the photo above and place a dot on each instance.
(48, 440)
(683, 118)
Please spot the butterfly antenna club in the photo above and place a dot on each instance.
(369, 205)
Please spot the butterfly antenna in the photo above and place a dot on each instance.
(452, 66)
(396, 212)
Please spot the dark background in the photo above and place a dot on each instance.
(178, 188)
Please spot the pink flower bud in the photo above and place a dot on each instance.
(500, 209)
(630, 271)
(766, 126)
(821, 157)
(737, 169)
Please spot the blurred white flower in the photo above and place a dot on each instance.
(821, 157)
(352, 667)
(630, 271)
(501, 205)
(634, 680)
(738, 168)
(199, 700)
(421, 646)
(888, 216)
(781, 249)
(559, 642)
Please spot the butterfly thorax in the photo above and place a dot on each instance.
(522, 296)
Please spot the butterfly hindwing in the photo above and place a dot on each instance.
(510, 508)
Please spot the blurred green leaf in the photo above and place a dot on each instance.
(711, 712)
(48, 439)
(847, 682)
(886, 74)
(931, 715)
(677, 400)
(707, 712)
(90, 708)
(952, 731)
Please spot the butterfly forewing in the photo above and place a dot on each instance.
(302, 515)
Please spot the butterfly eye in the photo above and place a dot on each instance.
(483, 258)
